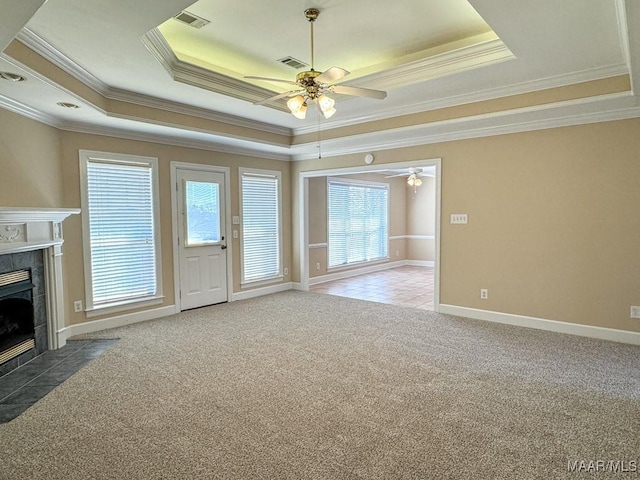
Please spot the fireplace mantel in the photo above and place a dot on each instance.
(25, 229)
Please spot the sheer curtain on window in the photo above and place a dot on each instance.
(261, 238)
(120, 206)
(357, 227)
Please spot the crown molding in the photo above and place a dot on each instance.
(176, 140)
(36, 43)
(447, 63)
(479, 96)
(196, 76)
(26, 111)
(619, 106)
(175, 107)
(55, 56)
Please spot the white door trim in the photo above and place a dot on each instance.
(226, 171)
(303, 214)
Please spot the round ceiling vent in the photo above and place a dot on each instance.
(12, 77)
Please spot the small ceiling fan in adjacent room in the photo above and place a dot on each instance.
(413, 175)
(313, 87)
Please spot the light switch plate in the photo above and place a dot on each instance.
(235, 220)
(458, 218)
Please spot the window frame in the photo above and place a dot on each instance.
(87, 156)
(242, 171)
(360, 183)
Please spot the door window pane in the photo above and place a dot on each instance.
(202, 204)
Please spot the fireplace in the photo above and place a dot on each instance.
(32, 307)
(17, 328)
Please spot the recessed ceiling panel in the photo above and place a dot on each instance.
(248, 38)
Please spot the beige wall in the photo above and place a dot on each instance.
(421, 221)
(73, 142)
(553, 226)
(30, 163)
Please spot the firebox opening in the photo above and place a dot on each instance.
(17, 326)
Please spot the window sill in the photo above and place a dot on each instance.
(262, 282)
(123, 306)
(350, 266)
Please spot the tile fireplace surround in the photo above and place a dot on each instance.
(32, 229)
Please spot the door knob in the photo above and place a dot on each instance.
(223, 247)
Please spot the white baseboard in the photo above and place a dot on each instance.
(258, 292)
(612, 334)
(296, 286)
(421, 263)
(355, 271)
(118, 321)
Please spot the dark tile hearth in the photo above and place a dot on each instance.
(24, 386)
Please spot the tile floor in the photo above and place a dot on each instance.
(24, 386)
(409, 286)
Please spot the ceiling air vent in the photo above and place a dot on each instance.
(191, 19)
(293, 62)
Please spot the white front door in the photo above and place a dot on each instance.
(201, 238)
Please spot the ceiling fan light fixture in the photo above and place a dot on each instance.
(301, 112)
(414, 180)
(326, 103)
(295, 103)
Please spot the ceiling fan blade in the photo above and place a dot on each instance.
(332, 75)
(266, 79)
(359, 92)
(397, 175)
(277, 97)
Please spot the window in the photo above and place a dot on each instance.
(202, 213)
(261, 225)
(120, 220)
(357, 226)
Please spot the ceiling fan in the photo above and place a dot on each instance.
(414, 174)
(313, 86)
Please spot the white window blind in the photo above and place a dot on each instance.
(261, 238)
(121, 224)
(357, 228)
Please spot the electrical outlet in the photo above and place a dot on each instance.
(286, 271)
(235, 233)
(77, 306)
(484, 293)
(635, 312)
(397, 253)
(318, 266)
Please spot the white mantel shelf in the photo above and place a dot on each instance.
(9, 215)
(25, 229)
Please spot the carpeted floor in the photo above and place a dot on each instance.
(301, 385)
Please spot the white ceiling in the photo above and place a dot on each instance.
(406, 48)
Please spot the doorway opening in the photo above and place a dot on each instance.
(409, 272)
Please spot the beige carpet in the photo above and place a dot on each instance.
(302, 386)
